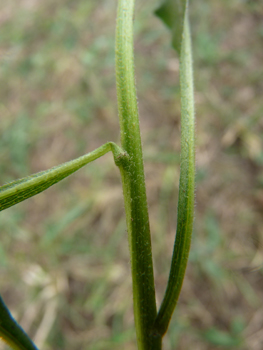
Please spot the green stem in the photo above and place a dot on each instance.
(134, 184)
(186, 189)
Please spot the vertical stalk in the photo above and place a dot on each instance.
(134, 184)
(185, 212)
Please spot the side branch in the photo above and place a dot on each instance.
(22, 189)
(19, 190)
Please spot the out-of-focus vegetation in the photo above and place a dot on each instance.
(64, 262)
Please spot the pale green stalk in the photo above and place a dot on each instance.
(134, 183)
(185, 212)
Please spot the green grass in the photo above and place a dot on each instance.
(58, 101)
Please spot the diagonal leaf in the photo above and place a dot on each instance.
(11, 332)
(172, 12)
(19, 190)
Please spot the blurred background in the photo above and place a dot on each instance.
(64, 260)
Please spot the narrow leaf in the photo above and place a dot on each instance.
(19, 190)
(11, 332)
(172, 12)
(185, 211)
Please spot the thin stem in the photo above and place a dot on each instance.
(134, 184)
(186, 188)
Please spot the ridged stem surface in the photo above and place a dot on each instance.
(134, 183)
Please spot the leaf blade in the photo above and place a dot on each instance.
(185, 209)
(11, 332)
(172, 13)
(22, 189)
